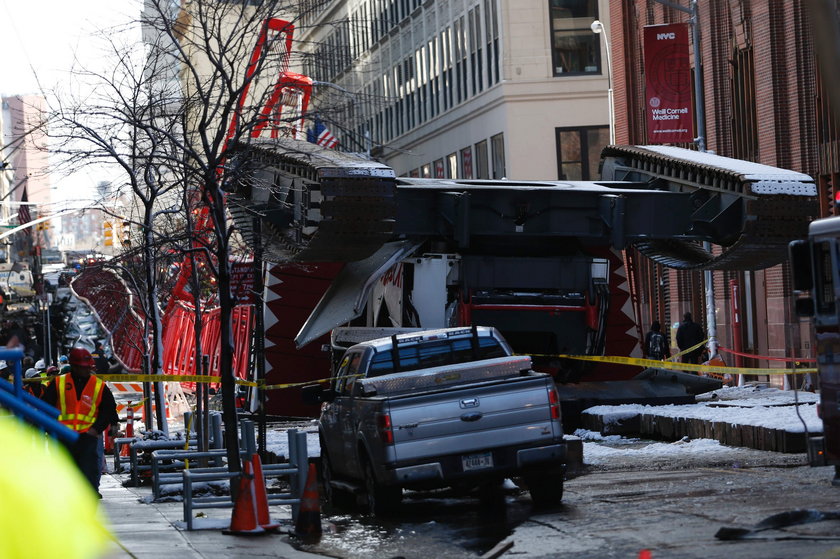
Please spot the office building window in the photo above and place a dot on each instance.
(452, 166)
(498, 144)
(481, 168)
(575, 49)
(440, 172)
(579, 152)
(466, 163)
(491, 38)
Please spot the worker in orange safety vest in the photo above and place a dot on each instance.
(86, 405)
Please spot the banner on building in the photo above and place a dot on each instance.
(668, 84)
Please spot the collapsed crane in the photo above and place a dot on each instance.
(539, 260)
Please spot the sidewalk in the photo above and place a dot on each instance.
(152, 530)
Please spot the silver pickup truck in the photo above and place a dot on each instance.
(438, 408)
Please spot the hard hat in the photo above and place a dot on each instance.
(62, 359)
(40, 365)
(31, 372)
(82, 357)
(52, 370)
(4, 365)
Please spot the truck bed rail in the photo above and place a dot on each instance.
(438, 377)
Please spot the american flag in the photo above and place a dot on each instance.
(321, 135)
(23, 210)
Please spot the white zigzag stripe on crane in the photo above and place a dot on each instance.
(627, 307)
(269, 318)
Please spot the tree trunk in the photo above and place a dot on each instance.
(154, 319)
(225, 339)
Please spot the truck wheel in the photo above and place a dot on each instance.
(327, 476)
(546, 490)
(381, 499)
(332, 496)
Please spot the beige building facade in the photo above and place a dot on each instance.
(468, 89)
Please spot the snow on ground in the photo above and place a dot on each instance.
(277, 439)
(750, 405)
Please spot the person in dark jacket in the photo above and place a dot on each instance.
(102, 364)
(690, 334)
(656, 343)
(87, 406)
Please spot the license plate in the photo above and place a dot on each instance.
(477, 461)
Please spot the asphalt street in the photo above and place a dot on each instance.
(676, 514)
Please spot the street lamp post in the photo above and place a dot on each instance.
(598, 28)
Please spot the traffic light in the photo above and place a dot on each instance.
(126, 233)
(108, 233)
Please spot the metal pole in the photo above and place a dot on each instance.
(599, 29)
(610, 99)
(699, 100)
(700, 111)
(700, 140)
(47, 337)
(148, 416)
(205, 395)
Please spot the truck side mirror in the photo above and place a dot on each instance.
(804, 307)
(800, 266)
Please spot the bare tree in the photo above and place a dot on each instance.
(168, 114)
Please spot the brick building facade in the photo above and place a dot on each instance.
(764, 102)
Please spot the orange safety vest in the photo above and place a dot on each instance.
(78, 414)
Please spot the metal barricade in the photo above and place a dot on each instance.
(296, 470)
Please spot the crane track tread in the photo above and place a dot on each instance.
(771, 221)
(344, 211)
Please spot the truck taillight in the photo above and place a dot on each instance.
(554, 403)
(383, 425)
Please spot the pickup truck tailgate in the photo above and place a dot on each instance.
(478, 416)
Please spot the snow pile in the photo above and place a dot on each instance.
(752, 405)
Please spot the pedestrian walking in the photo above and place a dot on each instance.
(689, 334)
(656, 343)
(86, 405)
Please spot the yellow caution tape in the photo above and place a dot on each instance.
(171, 378)
(681, 366)
(689, 350)
(306, 383)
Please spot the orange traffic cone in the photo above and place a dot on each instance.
(129, 429)
(261, 497)
(308, 523)
(244, 518)
(109, 441)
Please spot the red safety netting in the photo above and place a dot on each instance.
(117, 308)
(118, 311)
(179, 340)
